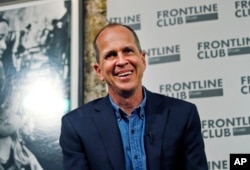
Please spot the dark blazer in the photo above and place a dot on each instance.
(90, 137)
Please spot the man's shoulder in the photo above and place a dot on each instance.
(177, 108)
(167, 99)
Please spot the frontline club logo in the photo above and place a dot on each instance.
(222, 48)
(163, 54)
(133, 21)
(245, 85)
(178, 16)
(193, 89)
(242, 8)
(225, 127)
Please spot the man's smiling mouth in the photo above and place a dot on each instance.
(124, 74)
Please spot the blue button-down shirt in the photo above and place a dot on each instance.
(132, 134)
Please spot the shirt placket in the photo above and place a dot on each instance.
(135, 126)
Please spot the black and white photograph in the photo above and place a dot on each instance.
(34, 82)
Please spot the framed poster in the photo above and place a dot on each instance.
(39, 80)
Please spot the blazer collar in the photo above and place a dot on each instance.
(156, 120)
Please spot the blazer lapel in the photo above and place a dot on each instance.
(105, 121)
(156, 119)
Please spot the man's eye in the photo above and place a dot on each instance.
(128, 50)
(109, 55)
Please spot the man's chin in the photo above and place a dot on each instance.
(127, 91)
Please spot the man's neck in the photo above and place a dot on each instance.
(128, 102)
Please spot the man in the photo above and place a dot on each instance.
(130, 128)
(4, 30)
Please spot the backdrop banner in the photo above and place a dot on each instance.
(198, 51)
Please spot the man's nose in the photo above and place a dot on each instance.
(121, 60)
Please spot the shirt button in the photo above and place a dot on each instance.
(132, 131)
(135, 157)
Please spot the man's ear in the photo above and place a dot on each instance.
(143, 53)
(98, 71)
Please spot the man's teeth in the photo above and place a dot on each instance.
(125, 74)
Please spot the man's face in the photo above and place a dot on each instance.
(3, 35)
(121, 63)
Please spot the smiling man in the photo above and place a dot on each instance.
(121, 65)
(131, 128)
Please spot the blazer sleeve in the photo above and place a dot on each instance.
(72, 149)
(194, 145)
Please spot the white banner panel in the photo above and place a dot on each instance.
(198, 51)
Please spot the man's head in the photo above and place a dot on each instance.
(120, 60)
(114, 25)
(4, 30)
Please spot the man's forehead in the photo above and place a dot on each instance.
(114, 29)
(114, 33)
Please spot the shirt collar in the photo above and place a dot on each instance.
(141, 112)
